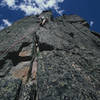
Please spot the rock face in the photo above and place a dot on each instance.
(59, 60)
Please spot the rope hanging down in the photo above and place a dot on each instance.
(42, 22)
(14, 44)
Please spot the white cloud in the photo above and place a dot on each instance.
(91, 23)
(10, 3)
(30, 10)
(6, 23)
(33, 6)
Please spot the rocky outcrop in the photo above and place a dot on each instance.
(59, 60)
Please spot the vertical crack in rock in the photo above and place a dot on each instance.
(29, 90)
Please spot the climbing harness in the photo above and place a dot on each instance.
(43, 20)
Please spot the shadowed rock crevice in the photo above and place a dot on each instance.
(14, 56)
(45, 47)
(18, 92)
(2, 62)
(71, 34)
(25, 44)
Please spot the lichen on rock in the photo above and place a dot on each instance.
(59, 60)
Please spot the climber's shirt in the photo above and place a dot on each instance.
(43, 20)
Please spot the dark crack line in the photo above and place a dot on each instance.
(18, 92)
(30, 74)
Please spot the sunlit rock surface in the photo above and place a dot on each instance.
(68, 59)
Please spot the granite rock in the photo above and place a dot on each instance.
(68, 59)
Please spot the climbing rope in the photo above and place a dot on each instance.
(14, 44)
(18, 41)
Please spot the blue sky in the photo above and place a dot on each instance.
(13, 10)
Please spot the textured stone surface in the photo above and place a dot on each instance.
(66, 76)
(9, 89)
(67, 65)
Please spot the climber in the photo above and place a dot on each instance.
(43, 20)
